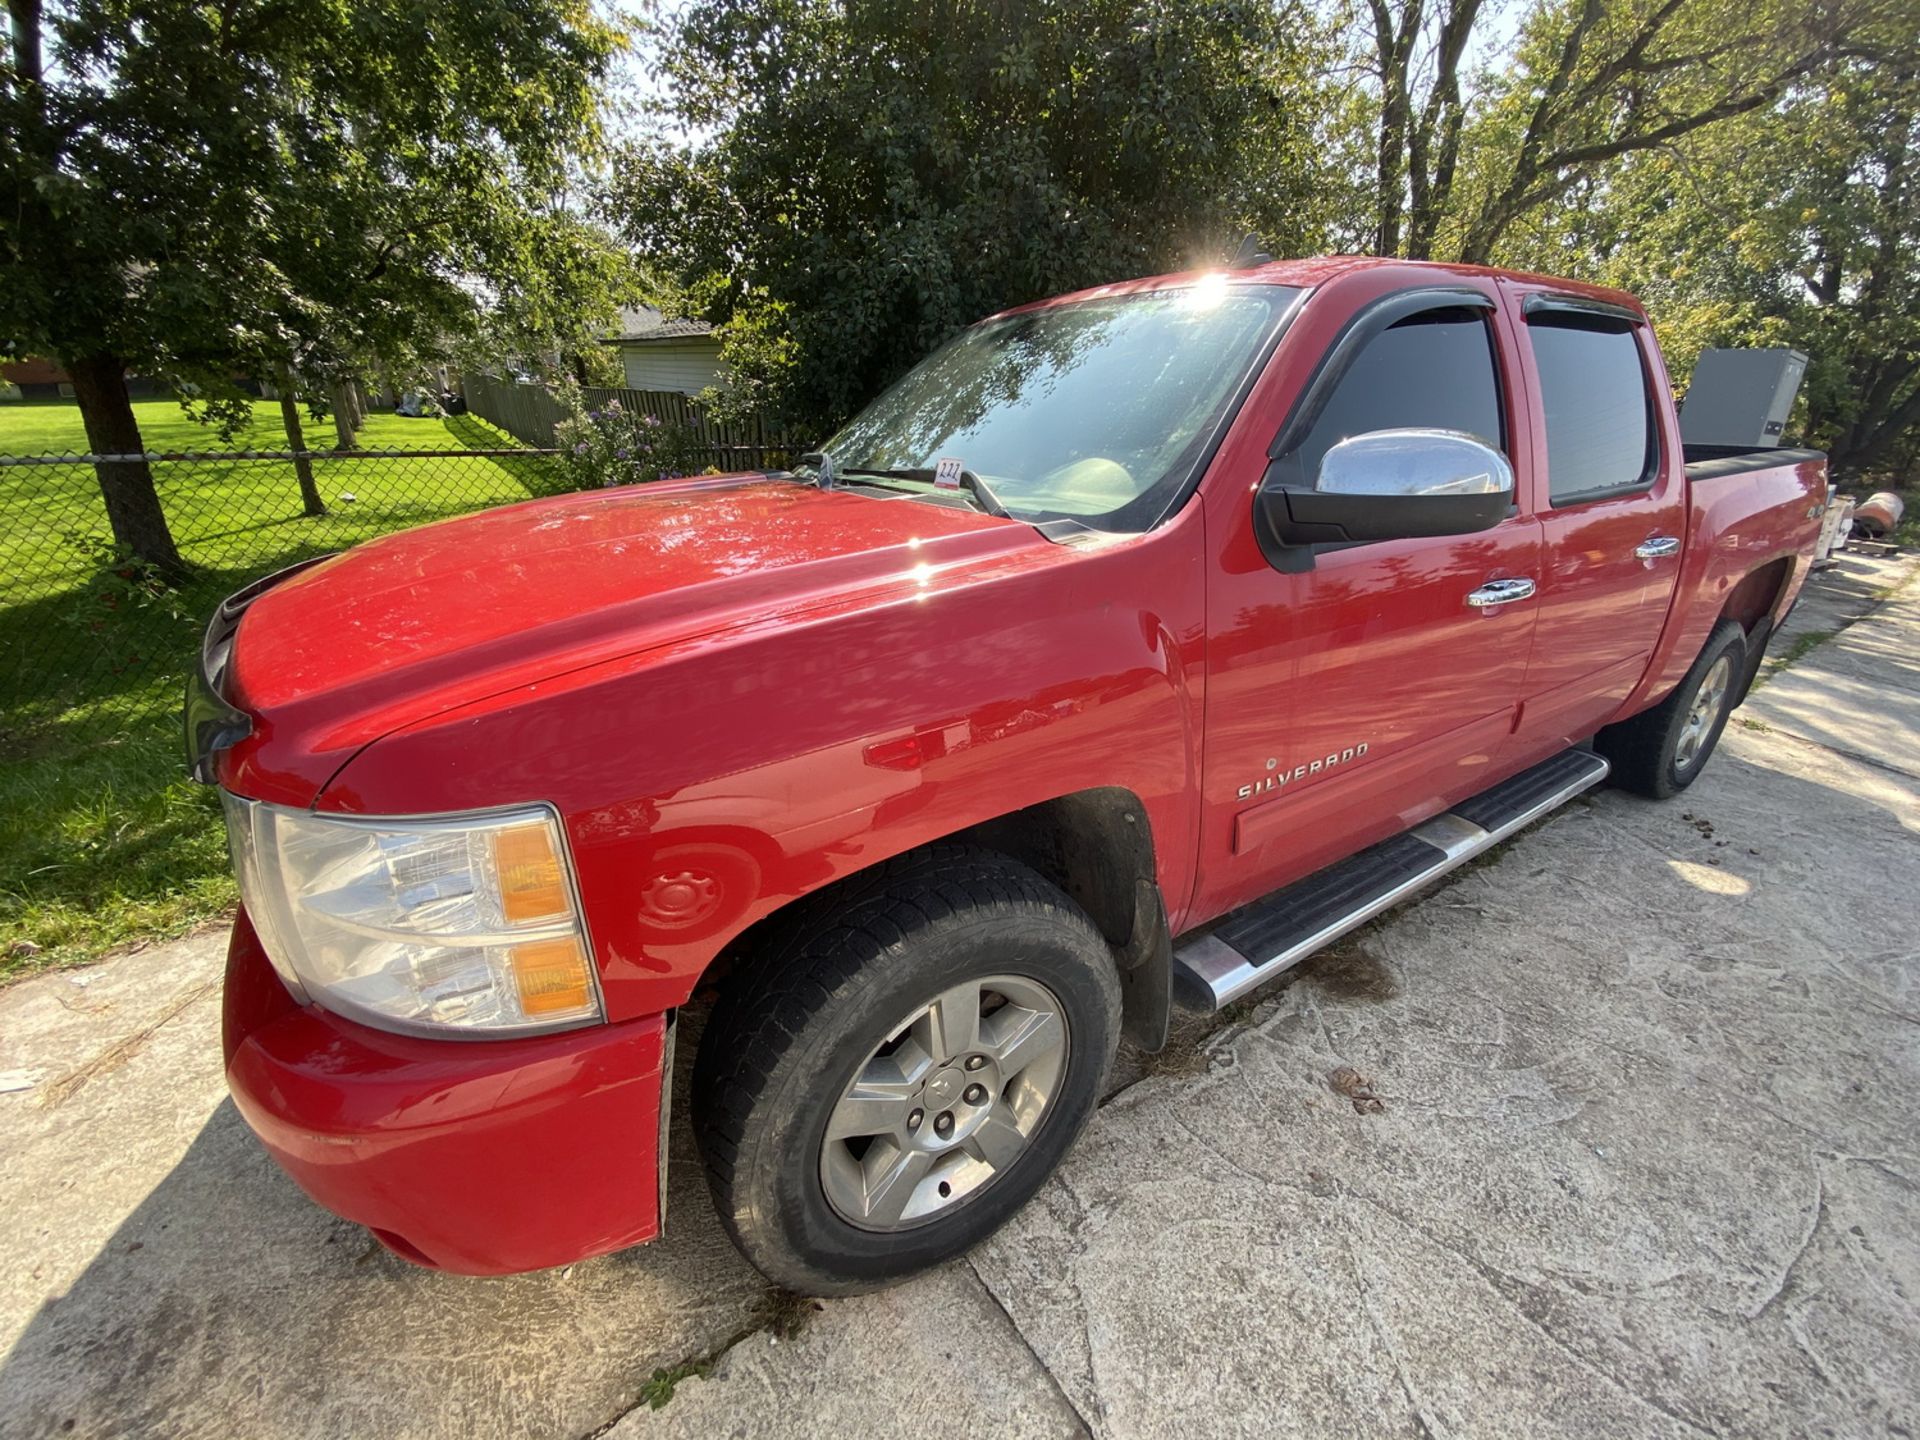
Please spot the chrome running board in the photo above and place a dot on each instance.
(1258, 941)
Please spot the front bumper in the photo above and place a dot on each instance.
(480, 1157)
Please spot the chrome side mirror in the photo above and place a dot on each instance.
(1415, 463)
(1384, 485)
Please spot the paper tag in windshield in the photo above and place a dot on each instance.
(946, 474)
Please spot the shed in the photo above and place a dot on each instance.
(662, 354)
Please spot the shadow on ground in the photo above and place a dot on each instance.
(226, 1302)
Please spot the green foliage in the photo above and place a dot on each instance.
(659, 1387)
(613, 445)
(1592, 80)
(1816, 246)
(1748, 167)
(110, 844)
(1461, 156)
(195, 188)
(121, 582)
(597, 365)
(866, 179)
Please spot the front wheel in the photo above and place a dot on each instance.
(901, 1073)
(1659, 752)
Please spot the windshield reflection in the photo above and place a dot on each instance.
(1095, 410)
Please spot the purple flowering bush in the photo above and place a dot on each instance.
(612, 445)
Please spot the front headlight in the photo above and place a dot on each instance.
(467, 924)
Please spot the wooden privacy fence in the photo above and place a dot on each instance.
(529, 413)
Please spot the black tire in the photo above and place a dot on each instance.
(789, 1034)
(1647, 751)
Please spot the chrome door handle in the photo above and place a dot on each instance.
(1658, 548)
(1500, 592)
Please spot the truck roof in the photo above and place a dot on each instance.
(1319, 270)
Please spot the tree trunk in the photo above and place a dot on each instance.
(1873, 440)
(133, 505)
(24, 21)
(1390, 169)
(340, 397)
(297, 442)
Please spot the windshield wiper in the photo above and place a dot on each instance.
(824, 473)
(981, 491)
(827, 475)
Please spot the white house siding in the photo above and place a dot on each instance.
(688, 366)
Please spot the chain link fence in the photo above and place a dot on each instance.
(91, 643)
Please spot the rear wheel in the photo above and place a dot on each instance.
(903, 1070)
(1661, 751)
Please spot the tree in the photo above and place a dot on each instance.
(260, 185)
(1418, 147)
(1818, 247)
(1461, 158)
(865, 179)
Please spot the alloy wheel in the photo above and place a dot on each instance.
(1704, 713)
(946, 1105)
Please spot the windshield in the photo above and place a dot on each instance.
(1096, 410)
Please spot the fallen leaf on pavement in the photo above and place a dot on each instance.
(1356, 1087)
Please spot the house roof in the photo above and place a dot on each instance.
(642, 324)
(31, 370)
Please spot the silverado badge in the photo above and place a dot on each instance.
(1276, 778)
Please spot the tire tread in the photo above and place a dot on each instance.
(820, 959)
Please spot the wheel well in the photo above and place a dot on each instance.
(1094, 844)
(1754, 598)
(1097, 846)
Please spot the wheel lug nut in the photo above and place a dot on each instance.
(944, 1125)
(975, 1094)
(974, 1062)
(913, 1120)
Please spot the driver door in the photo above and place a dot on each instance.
(1366, 692)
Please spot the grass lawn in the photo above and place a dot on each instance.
(51, 427)
(103, 840)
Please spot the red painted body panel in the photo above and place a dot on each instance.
(1373, 646)
(769, 759)
(736, 691)
(478, 1157)
(1737, 526)
(424, 621)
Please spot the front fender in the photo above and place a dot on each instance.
(707, 784)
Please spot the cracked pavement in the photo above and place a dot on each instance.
(1646, 1165)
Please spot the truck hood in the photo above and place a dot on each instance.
(413, 624)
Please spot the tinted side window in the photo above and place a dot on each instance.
(1432, 370)
(1593, 390)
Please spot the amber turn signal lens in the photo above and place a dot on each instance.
(532, 886)
(553, 978)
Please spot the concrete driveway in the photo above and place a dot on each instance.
(1646, 1164)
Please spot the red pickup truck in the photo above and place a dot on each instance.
(1131, 647)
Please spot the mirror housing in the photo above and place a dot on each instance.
(1386, 485)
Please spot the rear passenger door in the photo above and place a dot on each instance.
(1609, 488)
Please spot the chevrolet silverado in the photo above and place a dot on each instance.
(1130, 648)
